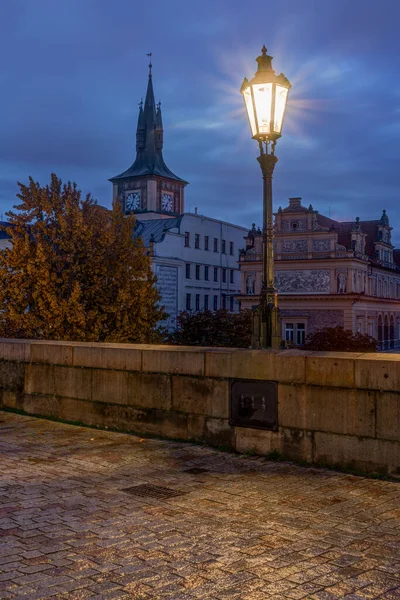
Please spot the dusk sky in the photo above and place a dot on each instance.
(74, 71)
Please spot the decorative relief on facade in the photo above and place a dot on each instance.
(317, 227)
(294, 256)
(321, 245)
(298, 225)
(301, 281)
(294, 246)
(167, 284)
(250, 284)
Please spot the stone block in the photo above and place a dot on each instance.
(253, 364)
(12, 376)
(9, 399)
(82, 411)
(357, 453)
(108, 356)
(173, 360)
(19, 350)
(52, 353)
(172, 424)
(39, 404)
(218, 432)
(259, 441)
(378, 372)
(290, 366)
(297, 444)
(195, 427)
(334, 369)
(388, 416)
(127, 418)
(150, 390)
(347, 411)
(218, 363)
(69, 382)
(109, 386)
(203, 396)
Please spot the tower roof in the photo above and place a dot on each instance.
(149, 141)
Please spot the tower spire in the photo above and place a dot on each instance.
(150, 54)
(149, 140)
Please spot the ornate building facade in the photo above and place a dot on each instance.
(328, 273)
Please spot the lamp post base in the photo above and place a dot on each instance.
(266, 328)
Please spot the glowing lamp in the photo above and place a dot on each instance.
(265, 98)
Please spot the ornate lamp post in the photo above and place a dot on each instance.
(265, 98)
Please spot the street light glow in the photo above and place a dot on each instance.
(265, 98)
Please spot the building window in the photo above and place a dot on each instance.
(231, 303)
(197, 240)
(215, 302)
(223, 247)
(206, 273)
(197, 271)
(300, 333)
(289, 332)
(295, 333)
(232, 276)
(206, 302)
(197, 301)
(206, 242)
(223, 298)
(224, 275)
(187, 239)
(215, 244)
(215, 273)
(231, 248)
(188, 302)
(187, 270)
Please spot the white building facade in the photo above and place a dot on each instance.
(195, 259)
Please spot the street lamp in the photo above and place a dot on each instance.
(265, 98)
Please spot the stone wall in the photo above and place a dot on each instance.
(339, 409)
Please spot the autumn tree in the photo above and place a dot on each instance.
(339, 339)
(220, 328)
(74, 271)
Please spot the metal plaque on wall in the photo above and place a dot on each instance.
(254, 404)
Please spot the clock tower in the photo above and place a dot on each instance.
(148, 188)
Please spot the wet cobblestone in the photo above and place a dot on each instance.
(246, 528)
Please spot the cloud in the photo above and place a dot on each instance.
(73, 72)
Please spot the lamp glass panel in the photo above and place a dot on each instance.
(280, 104)
(250, 110)
(262, 100)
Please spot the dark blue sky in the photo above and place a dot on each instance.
(73, 73)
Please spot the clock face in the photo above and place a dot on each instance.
(167, 202)
(133, 201)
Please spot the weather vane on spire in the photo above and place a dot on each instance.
(150, 54)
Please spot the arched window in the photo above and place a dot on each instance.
(386, 333)
(380, 330)
(392, 334)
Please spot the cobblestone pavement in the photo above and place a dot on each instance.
(245, 528)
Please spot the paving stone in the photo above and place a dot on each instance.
(246, 529)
